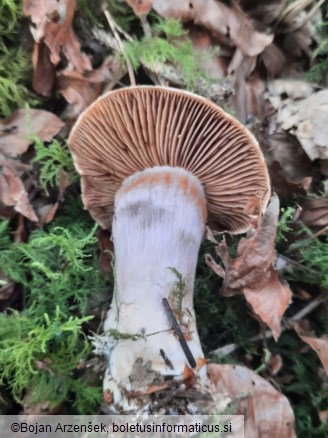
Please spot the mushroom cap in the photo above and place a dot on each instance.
(135, 128)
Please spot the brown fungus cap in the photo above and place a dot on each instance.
(135, 128)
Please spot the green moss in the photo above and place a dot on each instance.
(15, 68)
(42, 357)
(15, 63)
(168, 44)
(52, 160)
(42, 347)
(304, 388)
(319, 69)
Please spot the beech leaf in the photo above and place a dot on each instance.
(253, 272)
(267, 411)
(219, 19)
(319, 345)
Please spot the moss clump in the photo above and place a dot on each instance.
(15, 64)
(168, 44)
(43, 347)
(52, 160)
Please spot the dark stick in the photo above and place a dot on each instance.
(166, 359)
(179, 334)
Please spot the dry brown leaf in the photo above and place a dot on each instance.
(247, 99)
(275, 364)
(303, 113)
(108, 397)
(16, 129)
(15, 138)
(140, 7)
(47, 212)
(274, 60)
(323, 415)
(189, 377)
(219, 19)
(319, 345)
(12, 190)
(106, 249)
(315, 213)
(211, 263)
(283, 186)
(287, 151)
(155, 388)
(214, 66)
(44, 72)
(53, 25)
(80, 90)
(268, 413)
(201, 361)
(252, 272)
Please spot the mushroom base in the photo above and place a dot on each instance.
(159, 222)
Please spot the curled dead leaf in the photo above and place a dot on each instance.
(53, 25)
(44, 71)
(275, 364)
(253, 274)
(156, 388)
(211, 263)
(140, 7)
(201, 361)
(106, 249)
(267, 412)
(315, 213)
(189, 377)
(80, 90)
(108, 397)
(319, 345)
(12, 190)
(16, 130)
(219, 19)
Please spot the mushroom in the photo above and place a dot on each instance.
(155, 163)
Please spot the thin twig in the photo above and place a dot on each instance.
(114, 27)
(230, 348)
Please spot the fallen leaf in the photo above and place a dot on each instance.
(211, 263)
(303, 113)
(108, 397)
(12, 190)
(319, 345)
(275, 364)
(189, 377)
(253, 274)
(323, 415)
(284, 187)
(47, 212)
(201, 361)
(44, 72)
(219, 19)
(53, 25)
(106, 250)
(156, 388)
(15, 131)
(80, 90)
(286, 150)
(140, 7)
(315, 214)
(267, 412)
(274, 60)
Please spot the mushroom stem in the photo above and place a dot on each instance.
(159, 222)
